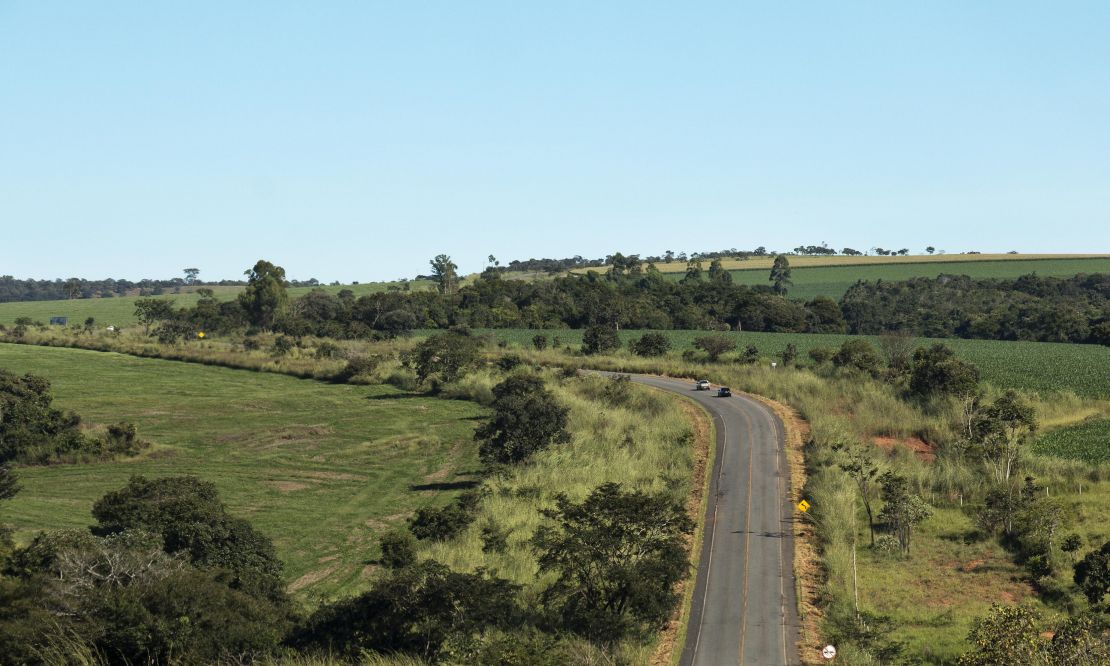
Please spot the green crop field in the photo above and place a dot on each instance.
(833, 281)
(320, 468)
(1088, 441)
(120, 311)
(1035, 366)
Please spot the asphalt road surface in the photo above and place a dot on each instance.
(744, 609)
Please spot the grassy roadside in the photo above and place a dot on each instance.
(843, 408)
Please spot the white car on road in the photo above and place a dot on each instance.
(702, 385)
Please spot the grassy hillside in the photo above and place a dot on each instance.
(764, 263)
(319, 468)
(1036, 366)
(121, 310)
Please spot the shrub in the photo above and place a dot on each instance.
(600, 340)
(526, 419)
(398, 549)
(715, 345)
(282, 345)
(444, 523)
(650, 344)
(495, 539)
(858, 355)
(539, 341)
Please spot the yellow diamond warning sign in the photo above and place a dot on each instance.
(803, 506)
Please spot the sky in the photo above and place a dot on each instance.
(356, 140)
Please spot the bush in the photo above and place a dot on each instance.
(444, 523)
(495, 539)
(715, 345)
(398, 549)
(886, 545)
(600, 340)
(359, 366)
(821, 355)
(283, 345)
(539, 341)
(526, 419)
(858, 355)
(650, 344)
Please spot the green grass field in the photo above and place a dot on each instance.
(1034, 366)
(1088, 441)
(833, 281)
(120, 311)
(320, 468)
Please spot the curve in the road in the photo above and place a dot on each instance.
(744, 609)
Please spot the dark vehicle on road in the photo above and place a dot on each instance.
(724, 392)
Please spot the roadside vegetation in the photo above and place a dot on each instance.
(944, 529)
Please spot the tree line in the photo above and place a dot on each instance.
(1031, 307)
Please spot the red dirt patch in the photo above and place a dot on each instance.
(920, 447)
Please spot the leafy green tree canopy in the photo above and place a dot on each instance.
(264, 299)
(526, 418)
(618, 556)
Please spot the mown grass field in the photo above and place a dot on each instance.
(1033, 366)
(833, 281)
(120, 311)
(320, 468)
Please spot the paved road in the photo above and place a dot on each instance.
(744, 609)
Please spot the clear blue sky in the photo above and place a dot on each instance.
(353, 141)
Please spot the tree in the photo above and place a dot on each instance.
(617, 556)
(151, 311)
(780, 275)
(937, 370)
(526, 418)
(1007, 636)
(823, 316)
(901, 510)
(694, 273)
(600, 339)
(789, 354)
(191, 275)
(717, 273)
(930, 249)
(1000, 429)
(73, 288)
(31, 429)
(264, 299)
(1092, 574)
(414, 610)
(715, 345)
(863, 469)
(190, 518)
(445, 354)
(90, 323)
(750, 355)
(650, 344)
(444, 272)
